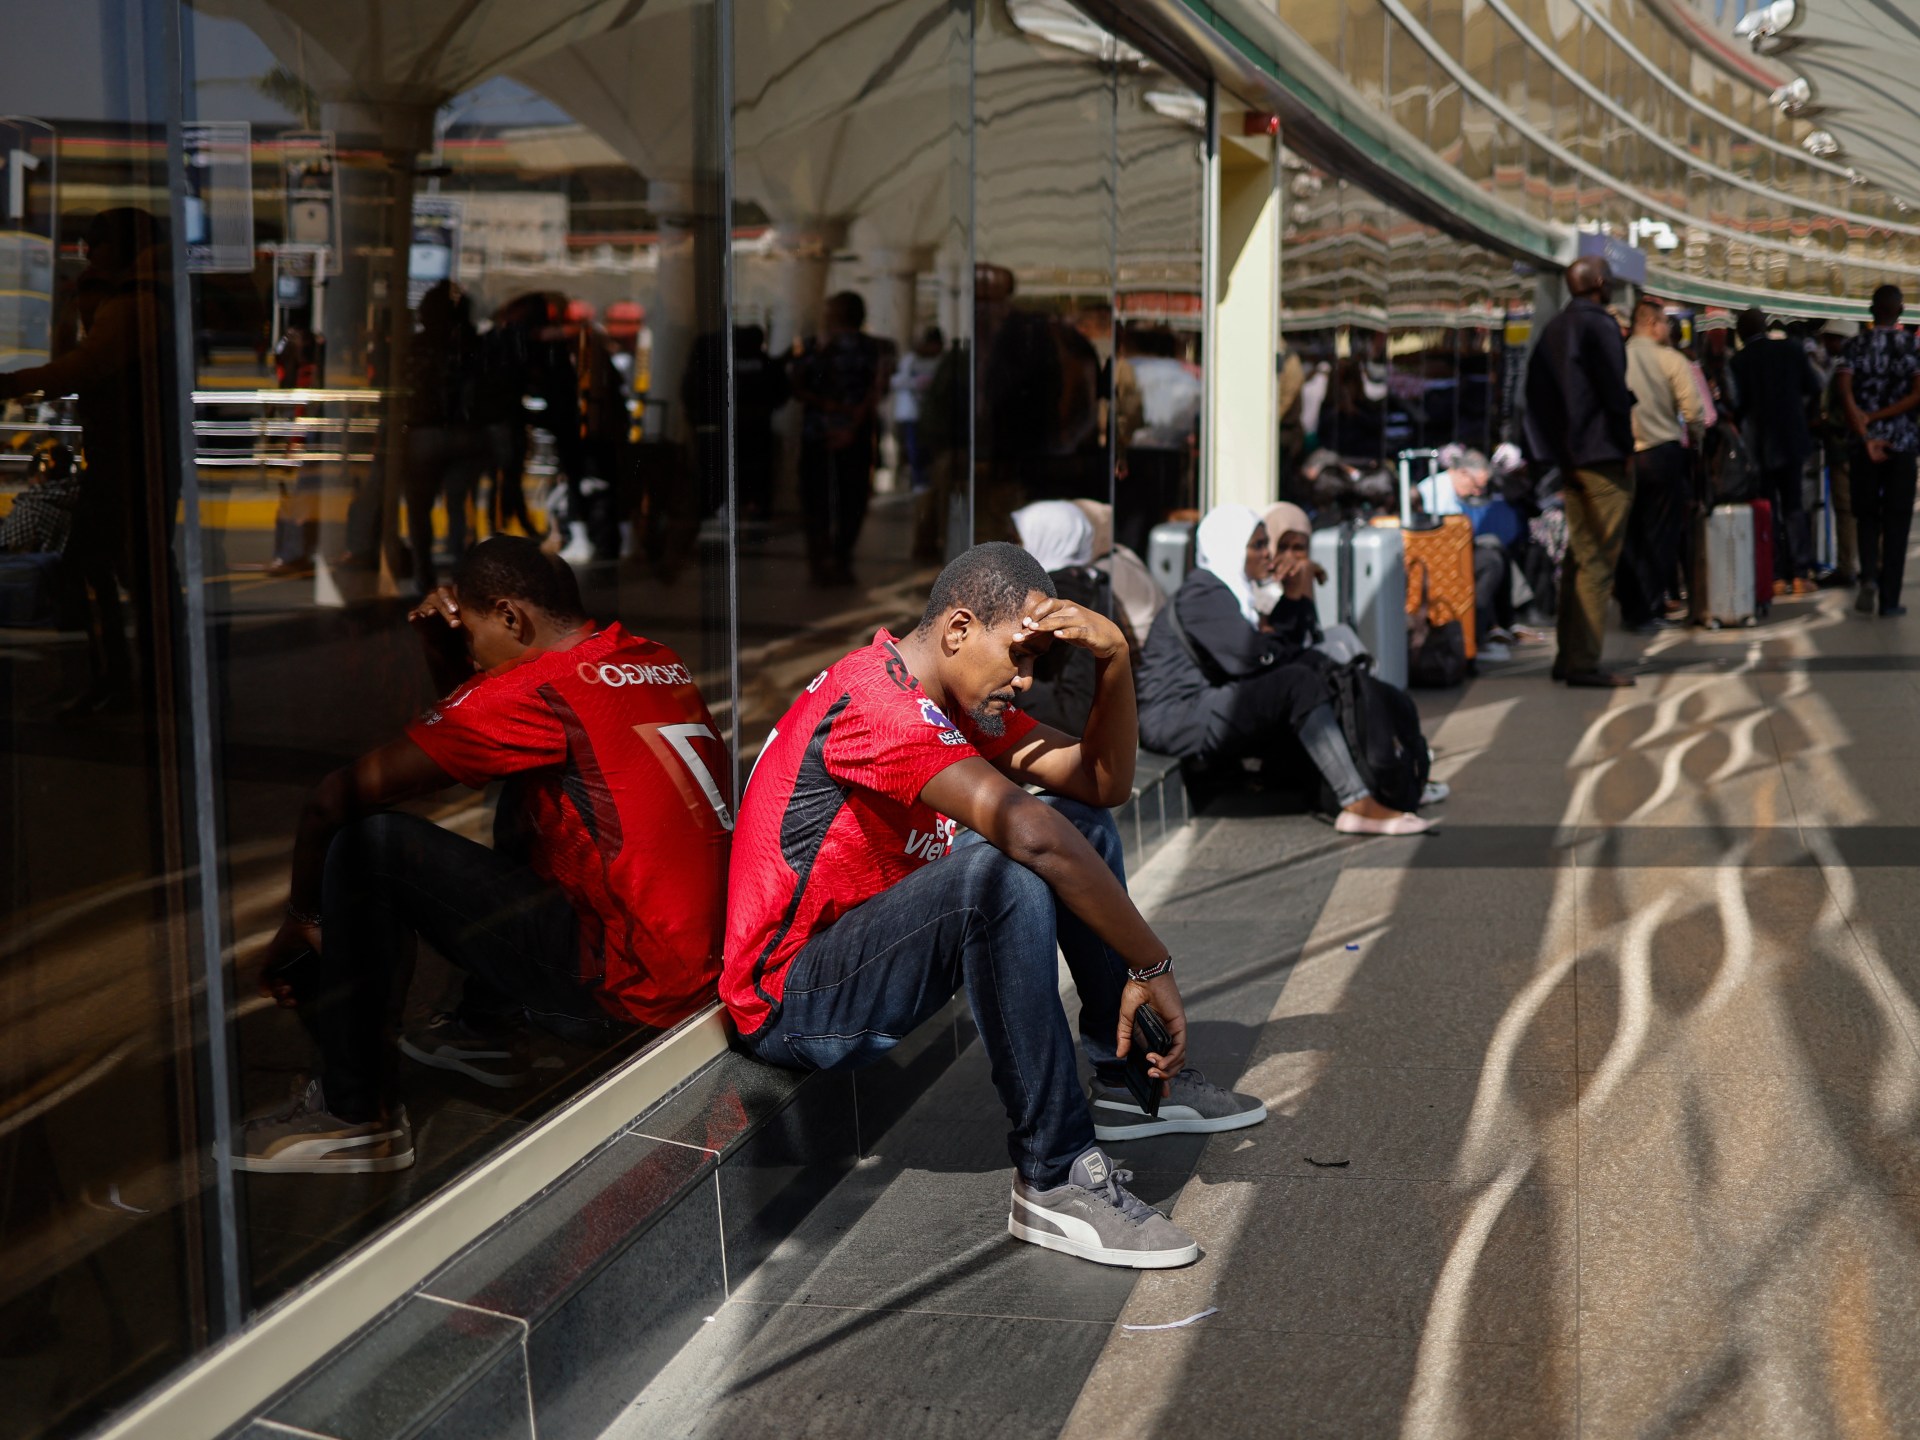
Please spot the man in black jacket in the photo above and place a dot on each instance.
(1579, 417)
(1769, 386)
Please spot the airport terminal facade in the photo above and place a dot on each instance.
(1026, 196)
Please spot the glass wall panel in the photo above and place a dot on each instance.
(1161, 253)
(104, 1199)
(850, 154)
(470, 282)
(1044, 94)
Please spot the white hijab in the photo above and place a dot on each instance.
(1056, 533)
(1222, 552)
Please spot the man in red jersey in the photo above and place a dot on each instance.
(596, 914)
(854, 914)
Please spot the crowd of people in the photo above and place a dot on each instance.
(1643, 438)
(1634, 426)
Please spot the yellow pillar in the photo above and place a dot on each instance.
(1243, 460)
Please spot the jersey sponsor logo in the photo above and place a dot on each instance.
(618, 675)
(933, 844)
(932, 714)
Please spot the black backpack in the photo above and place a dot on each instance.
(1382, 729)
(1733, 477)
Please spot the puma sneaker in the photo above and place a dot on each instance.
(1095, 1217)
(305, 1139)
(1192, 1106)
(446, 1042)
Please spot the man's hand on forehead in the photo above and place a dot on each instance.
(440, 605)
(1060, 620)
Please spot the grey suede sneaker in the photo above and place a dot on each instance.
(1192, 1106)
(1094, 1216)
(304, 1138)
(447, 1042)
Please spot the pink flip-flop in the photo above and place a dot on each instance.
(1347, 823)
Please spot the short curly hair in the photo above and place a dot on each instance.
(512, 567)
(992, 580)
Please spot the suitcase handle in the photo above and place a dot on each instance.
(1346, 568)
(1406, 459)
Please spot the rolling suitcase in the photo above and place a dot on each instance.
(1367, 588)
(1723, 556)
(1762, 556)
(1439, 558)
(1170, 553)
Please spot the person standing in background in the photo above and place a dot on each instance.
(911, 381)
(839, 382)
(1835, 442)
(1879, 380)
(1579, 417)
(1769, 384)
(1667, 417)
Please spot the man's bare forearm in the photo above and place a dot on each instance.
(1111, 743)
(320, 820)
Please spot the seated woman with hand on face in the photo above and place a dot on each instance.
(1221, 680)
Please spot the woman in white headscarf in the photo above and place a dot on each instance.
(1222, 680)
(1060, 536)
(1057, 533)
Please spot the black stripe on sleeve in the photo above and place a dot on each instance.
(811, 811)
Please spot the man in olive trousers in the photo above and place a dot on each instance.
(1580, 417)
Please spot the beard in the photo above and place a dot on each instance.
(992, 723)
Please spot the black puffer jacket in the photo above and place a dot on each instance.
(1183, 696)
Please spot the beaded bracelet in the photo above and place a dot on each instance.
(1152, 972)
(301, 917)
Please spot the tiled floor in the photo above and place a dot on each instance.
(1594, 1115)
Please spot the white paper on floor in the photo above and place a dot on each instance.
(1177, 1324)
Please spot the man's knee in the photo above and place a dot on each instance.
(999, 886)
(375, 844)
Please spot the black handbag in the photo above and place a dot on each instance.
(1436, 654)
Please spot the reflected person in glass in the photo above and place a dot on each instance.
(596, 914)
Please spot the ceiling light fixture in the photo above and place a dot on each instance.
(1765, 28)
(1821, 143)
(1794, 96)
(1182, 105)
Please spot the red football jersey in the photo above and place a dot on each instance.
(833, 814)
(621, 788)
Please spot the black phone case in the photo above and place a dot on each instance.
(1149, 1037)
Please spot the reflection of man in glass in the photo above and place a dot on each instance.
(120, 370)
(838, 381)
(595, 915)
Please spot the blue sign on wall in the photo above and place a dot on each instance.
(1628, 262)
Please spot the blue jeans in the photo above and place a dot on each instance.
(986, 922)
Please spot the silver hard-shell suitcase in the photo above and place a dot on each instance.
(1170, 553)
(1366, 589)
(1723, 592)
